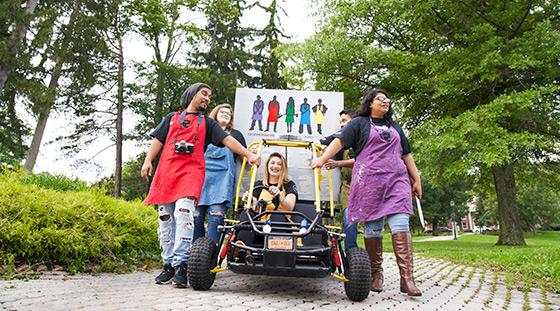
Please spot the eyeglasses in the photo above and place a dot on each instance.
(225, 112)
(383, 99)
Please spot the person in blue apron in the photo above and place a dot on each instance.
(384, 178)
(217, 192)
(182, 138)
(305, 119)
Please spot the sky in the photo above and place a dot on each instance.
(298, 24)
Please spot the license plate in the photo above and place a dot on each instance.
(277, 242)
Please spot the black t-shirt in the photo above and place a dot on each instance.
(214, 133)
(355, 134)
(239, 137)
(327, 140)
(289, 187)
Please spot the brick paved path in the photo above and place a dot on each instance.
(445, 286)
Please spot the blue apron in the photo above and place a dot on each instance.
(219, 181)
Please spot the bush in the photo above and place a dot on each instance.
(82, 230)
(54, 182)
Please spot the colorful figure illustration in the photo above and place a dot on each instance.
(290, 113)
(319, 111)
(305, 119)
(273, 108)
(258, 107)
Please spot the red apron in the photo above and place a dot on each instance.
(273, 108)
(180, 175)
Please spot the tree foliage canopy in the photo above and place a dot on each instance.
(476, 83)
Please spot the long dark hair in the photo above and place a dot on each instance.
(365, 109)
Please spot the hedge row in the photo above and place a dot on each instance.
(81, 230)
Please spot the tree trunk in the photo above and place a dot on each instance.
(13, 43)
(119, 125)
(158, 112)
(16, 125)
(4, 74)
(435, 231)
(44, 112)
(508, 214)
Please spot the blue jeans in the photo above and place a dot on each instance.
(397, 223)
(351, 231)
(175, 231)
(216, 215)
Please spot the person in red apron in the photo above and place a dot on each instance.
(182, 138)
(273, 109)
(384, 178)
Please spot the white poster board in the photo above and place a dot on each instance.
(294, 116)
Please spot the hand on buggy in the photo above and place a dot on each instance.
(254, 154)
(253, 158)
(318, 162)
(331, 164)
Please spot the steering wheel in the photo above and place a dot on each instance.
(262, 204)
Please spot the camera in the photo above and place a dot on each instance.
(183, 147)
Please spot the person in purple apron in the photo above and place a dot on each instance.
(384, 179)
(258, 106)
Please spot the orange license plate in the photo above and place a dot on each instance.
(277, 242)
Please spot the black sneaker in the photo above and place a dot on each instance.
(180, 278)
(166, 274)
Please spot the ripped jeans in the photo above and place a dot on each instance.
(216, 215)
(175, 232)
(397, 223)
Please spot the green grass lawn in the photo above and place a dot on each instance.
(535, 265)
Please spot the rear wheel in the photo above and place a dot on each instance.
(358, 274)
(202, 259)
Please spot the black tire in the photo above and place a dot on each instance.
(202, 259)
(358, 274)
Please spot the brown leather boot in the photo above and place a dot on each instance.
(374, 248)
(402, 246)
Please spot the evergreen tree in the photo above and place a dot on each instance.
(72, 58)
(103, 116)
(160, 83)
(14, 22)
(225, 56)
(269, 65)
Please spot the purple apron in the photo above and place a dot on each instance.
(258, 106)
(380, 183)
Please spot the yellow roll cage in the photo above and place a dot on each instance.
(315, 149)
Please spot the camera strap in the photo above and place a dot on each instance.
(197, 126)
(182, 117)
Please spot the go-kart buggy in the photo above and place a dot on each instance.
(304, 247)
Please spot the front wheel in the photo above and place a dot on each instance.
(358, 274)
(202, 259)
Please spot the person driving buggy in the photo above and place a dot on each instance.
(276, 190)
